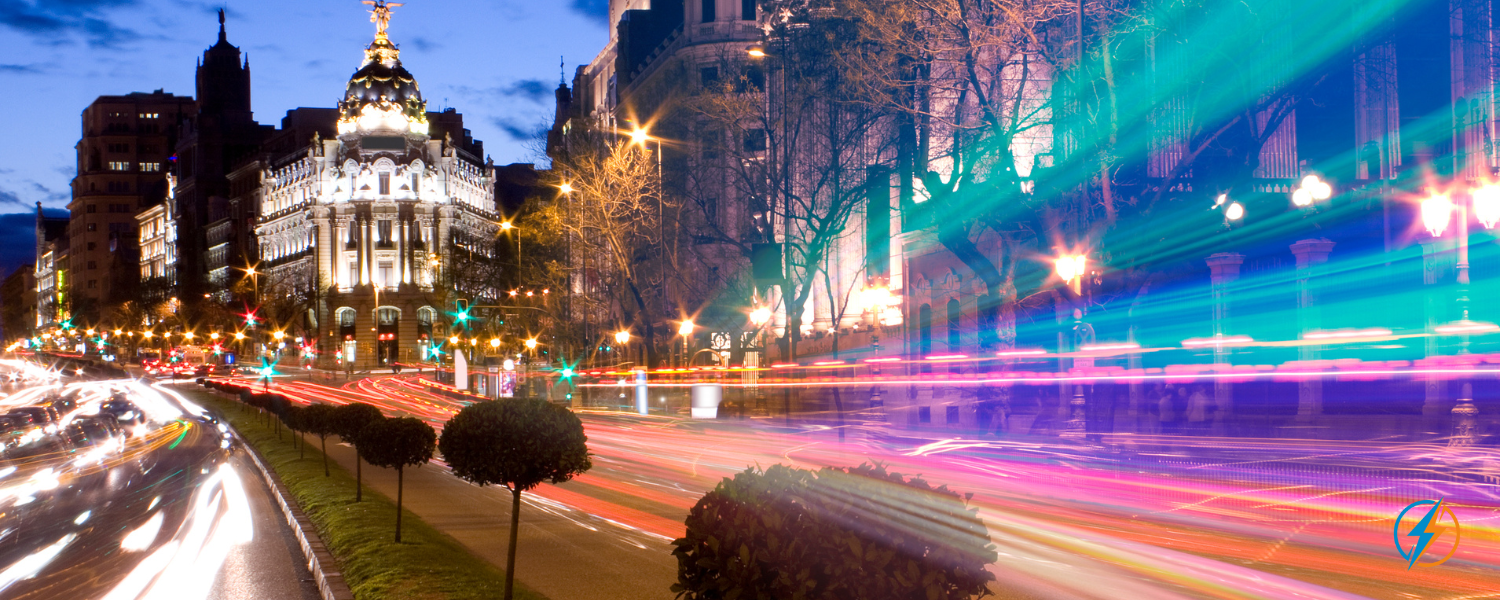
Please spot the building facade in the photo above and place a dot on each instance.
(123, 159)
(158, 248)
(362, 229)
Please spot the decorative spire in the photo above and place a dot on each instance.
(222, 37)
(380, 15)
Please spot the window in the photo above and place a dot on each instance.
(385, 184)
(952, 415)
(383, 227)
(924, 335)
(955, 337)
(151, 167)
(711, 209)
(119, 147)
(93, 284)
(93, 227)
(709, 76)
(755, 140)
(90, 208)
(710, 11)
(150, 115)
(754, 79)
(93, 265)
(385, 277)
(924, 414)
(91, 245)
(116, 165)
(747, 10)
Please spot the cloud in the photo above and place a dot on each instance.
(424, 44)
(8, 199)
(52, 21)
(534, 90)
(517, 131)
(597, 10)
(20, 69)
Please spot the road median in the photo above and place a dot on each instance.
(427, 564)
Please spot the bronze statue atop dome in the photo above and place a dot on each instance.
(380, 15)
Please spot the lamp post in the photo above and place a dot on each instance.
(686, 331)
(1437, 210)
(1071, 269)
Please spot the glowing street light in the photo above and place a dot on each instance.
(1437, 209)
(506, 226)
(1313, 189)
(531, 344)
(756, 52)
(639, 137)
(278, 335)
(686, 329)
(213, 336)
(760, 316)
(566, 188)
(1071, 267)
(1486, 200)
(1235, 212)
(239, 335)
(188, 335)
(453, 339)
(494, 342)
(622, 337)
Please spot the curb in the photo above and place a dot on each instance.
(331, 584)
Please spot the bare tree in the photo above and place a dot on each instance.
(793, 139)
(614, 215)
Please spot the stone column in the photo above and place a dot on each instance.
(406, 256)
(1224, 270)
(1310, 254)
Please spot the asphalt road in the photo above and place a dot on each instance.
(162, 511)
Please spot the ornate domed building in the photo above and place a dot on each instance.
(369, 227)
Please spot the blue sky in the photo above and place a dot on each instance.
(496, 61)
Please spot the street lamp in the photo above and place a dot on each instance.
(1235, 212)
(1070, 268)
(1437, 210)
(760, 316)
(622, 337)
(565, 188)
(1313, 188)
(531, 344)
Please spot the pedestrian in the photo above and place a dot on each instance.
(1166, 413)
(395, 367)
(1197, 412)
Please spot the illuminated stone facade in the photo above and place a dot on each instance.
(361, 225)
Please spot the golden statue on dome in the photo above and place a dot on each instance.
(380, 15)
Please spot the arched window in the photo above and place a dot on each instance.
(425, 316)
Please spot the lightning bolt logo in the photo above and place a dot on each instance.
(1426, 530)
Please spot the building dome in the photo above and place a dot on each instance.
(382, 95)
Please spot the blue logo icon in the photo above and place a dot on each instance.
(1427, 529)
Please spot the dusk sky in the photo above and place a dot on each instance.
(495, 61)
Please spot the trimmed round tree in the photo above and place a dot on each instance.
(293, 417)
(518, 443)
(352, 420)
(397, 444)
(321, 420)
(837, 533)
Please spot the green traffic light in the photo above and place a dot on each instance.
(567, 372)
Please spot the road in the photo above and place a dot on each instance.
(1157, 517)
(161, 510)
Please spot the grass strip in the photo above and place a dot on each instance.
(426, 565)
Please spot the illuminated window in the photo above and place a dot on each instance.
(151, 167)
(115, 165)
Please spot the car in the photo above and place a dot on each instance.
(39, 416)
(125, 412)
(93, 431)
(203, 370)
